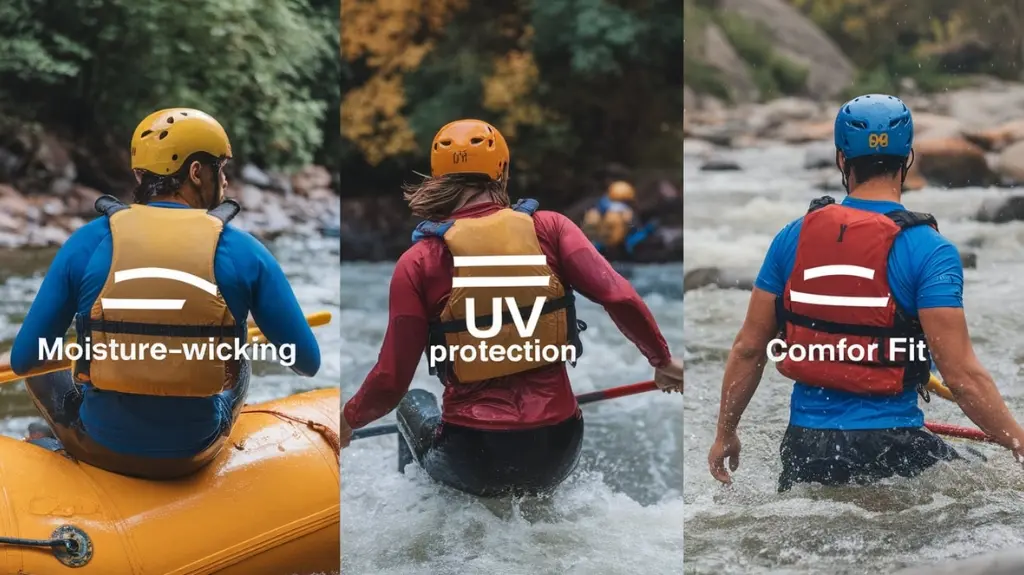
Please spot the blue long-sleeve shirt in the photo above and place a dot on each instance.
(250, 280)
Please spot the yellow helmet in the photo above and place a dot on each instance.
(165, 139)
(621, 192)
(469, 147)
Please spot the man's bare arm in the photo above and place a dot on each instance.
(747, 359)
(970, 383)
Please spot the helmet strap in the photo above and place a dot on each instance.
(906, 167)
(845, 172)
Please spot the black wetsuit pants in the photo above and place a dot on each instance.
(836, 457)
(482, 462)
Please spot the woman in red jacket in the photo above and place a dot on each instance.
(487, 289)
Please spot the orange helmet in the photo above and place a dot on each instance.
(621, 192)
(469, 147)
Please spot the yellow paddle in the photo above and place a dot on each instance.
(8, 376)
(936, 386)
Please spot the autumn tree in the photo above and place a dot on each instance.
(574, 85)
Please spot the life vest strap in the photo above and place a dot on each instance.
(149, 329)
(226, 210)
(909, 327)
(109, 205)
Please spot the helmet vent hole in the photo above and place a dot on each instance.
(146, 133)
(859, 124)
(174, 158)
(475, 141)
(489, 130)
(170, 120)
(896, 122)
(184, 114)
(163, 135)
(490, 143)
(446, 143)
(435, 145)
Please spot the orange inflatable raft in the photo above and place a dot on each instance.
(268, 505)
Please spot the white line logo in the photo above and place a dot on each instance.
(838, 301)
(155, 304)
(526, 328)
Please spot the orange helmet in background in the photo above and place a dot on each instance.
(469, 147)
(621, 192)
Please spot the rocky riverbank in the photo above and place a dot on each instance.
(963, 138)
(48, 188)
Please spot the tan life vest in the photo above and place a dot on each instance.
(609, 228)
(490, 254)
(161, 289)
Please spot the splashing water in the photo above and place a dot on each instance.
(620, 512)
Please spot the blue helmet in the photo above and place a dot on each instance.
(874, 124)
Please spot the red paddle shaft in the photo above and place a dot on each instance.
(960, 431)
(589, 397)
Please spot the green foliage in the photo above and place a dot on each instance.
(575, 85)
(267, 69)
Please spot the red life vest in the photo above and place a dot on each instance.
(839, 289)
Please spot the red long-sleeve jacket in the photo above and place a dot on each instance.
(422, 282)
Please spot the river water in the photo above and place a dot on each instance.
(311, 264)
(952, 511)
(621, 512)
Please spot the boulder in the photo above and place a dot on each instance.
(720, 54)
(800, 40)
(952, 163)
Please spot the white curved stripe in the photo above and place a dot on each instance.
(524, 281)
(166, 274)
(839, 270)
(838, 301)
(488, 261)
(115, 303)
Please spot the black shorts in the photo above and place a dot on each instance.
(486, 463)
(837, 457)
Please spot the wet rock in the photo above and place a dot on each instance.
(281, 183)
(697, 148)
(735, 73)
(952, 163)
(969, 260)
(987, 106)
(928, 125)
(804, 132)
(720, 165)
(831, 181)
(718, 277)
(998, 138)
(309, 178)
(250, 197)
(47, 236)
(82, 201)
(718, 134)
(819, 157)
(9, 223)
(1001, 210)
(800, 40)
(767, 119)
(255, 176)
(1010, 164)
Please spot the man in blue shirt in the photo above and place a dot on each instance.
(167, 271)
(854, 417)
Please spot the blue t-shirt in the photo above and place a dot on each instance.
(924, 272)
(249, 278)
